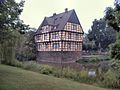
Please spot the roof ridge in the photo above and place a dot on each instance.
(60, 13)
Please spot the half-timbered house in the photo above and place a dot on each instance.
(59, 38)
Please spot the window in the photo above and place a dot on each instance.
(54, 27)
(55, 35)
(77, 36)
(76, 45)
(69, 35)
(46, 45)
(65, 44)
(69, 45)
(45, 36)
(55, 45)
(74, 27)
(68, 26)
(38, 37)
(47, 28)
(39, 46)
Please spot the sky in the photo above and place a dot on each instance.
(34, 11)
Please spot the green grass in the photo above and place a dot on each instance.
(12, 78)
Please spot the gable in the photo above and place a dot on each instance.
(73, 18)
(44, 23)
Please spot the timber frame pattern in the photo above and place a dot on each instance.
(59, 37)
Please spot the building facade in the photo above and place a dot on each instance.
(59, 38)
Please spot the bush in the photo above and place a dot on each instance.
(85, 78)
(115, 49)
(68, 73)
(45, 69)
(31, 65)
(57, 73)
(34, 66)
(16, 63)
(115, 64)
(111, 80)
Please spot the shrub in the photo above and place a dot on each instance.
(68, 73)
(57, 73)
(111, 80)
(16, 63)
(31, 65)
(45, 69)
(115, 49)
(115, 64)
(34, 66)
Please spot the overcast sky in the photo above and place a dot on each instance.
(87, 10)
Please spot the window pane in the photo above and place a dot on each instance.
(74, 27)
(55, 45)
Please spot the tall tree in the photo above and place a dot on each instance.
(10, 25)
(26, 49)
(112, 16)
(101, 34)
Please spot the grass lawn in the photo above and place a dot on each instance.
(12, 78)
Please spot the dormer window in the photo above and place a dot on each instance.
(61, 17)
(55, 18)
(54, 27)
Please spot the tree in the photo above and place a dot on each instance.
(88, 45)
(112, 16)
(10, 25)
(101, 34)
(26, 49)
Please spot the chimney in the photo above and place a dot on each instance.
(66, 9)
(54, 14)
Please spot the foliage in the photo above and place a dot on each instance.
(112, 16)
(31, 65)
(115, 49)
(88, 45)
(80, 76)
(26, 50)
(7, 51)
(115, 64)
(93, 59)
(9, 18)
(111, 80)
(34, 66)
(102, 36)
(68, 73)
(10, 25)
(12, 78)
(108, 78)
(45, 69)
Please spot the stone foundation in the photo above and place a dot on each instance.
(58, 56)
